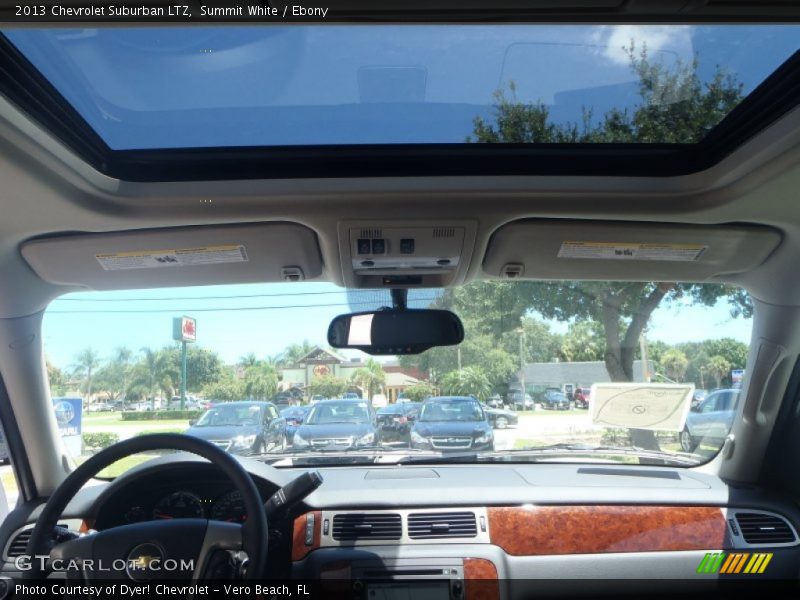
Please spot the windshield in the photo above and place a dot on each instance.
(227, 416)
(451, 410)
(328, 413)
(646, 379)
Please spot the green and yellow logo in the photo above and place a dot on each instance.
(726, 563)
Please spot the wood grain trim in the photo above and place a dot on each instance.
(548, 530)
(480, 579)
(299, 547)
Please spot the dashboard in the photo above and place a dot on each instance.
(524, 525)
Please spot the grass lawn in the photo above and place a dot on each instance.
(113, 422)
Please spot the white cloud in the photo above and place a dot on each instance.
(667, 41)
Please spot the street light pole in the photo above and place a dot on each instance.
(183, 374)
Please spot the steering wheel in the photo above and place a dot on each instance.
(177, 549)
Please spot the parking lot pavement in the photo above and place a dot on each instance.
(553, 426)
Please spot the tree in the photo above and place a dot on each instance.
(718, 367)
(86, 363)
(674, 363)
(248, 360)
(584, 341)
(370, 377)
(469, 381)
(155, 371)
(328, 386)
(226, 389)
(203, 366)
(419, 391)
(260, 382)
(295, 352)
(58, 383)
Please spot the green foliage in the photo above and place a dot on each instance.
(419, 391)
(673, 364)
(328, 386)
(260, 381)
(718, 367)
(469, 381)
(227, 388)
(584, 341)
(369, 378)
(98, 441)
(675, 106)
(85, 367)
(141, 433)
(160, 415)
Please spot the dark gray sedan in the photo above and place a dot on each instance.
(500, 418)
(246, 428)
(338, 425)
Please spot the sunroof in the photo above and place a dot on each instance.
(333, 85)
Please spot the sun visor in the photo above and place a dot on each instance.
(178, 257)
(556, 249)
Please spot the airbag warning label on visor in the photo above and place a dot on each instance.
(182, 257)
(631, 251)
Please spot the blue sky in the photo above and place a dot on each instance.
(233, 333)
(329, 84)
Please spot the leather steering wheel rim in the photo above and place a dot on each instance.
(254, 530)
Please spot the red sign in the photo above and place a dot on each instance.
(184, 329)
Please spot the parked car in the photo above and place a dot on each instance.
(395, 421)
(496, 401)
(246, 428)
(554, 399)
(698, 397)
(500, 418)
(338, 425)
(351, 396)
(581, 397)
(190, 403)
(294, 416)
(517, 402)
(452, 423)
(98, 407)
(712, 420)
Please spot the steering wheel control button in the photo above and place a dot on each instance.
(144, 562)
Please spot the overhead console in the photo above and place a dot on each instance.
(184, 256)
(405, 254)
(625, 251)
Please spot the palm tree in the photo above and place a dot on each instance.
(469, 381)
(260, 382)
(248, 360)
(157, 373)
(718, 366)
(122, 359)
(88, 360)
(295, 352)
(370, 377)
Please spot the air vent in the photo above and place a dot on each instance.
(373, 232)
(374, 526)
(444, 232)
(761, 528)
(19, 545)
(426, 526)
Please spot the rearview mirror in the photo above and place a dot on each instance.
(396, 331)
(192, 422)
